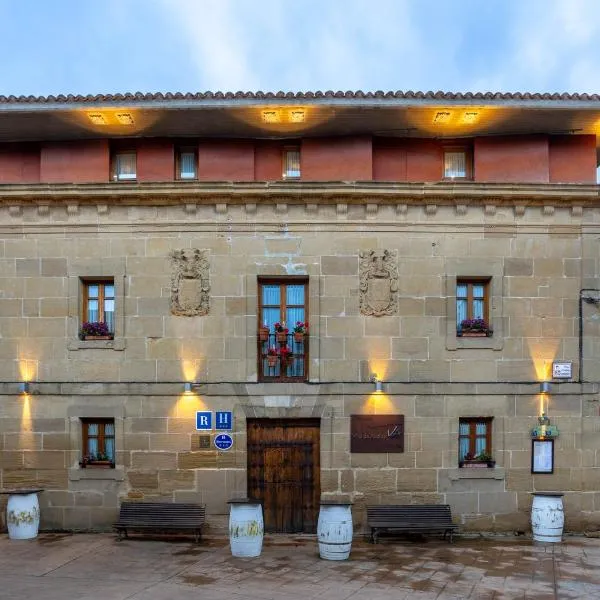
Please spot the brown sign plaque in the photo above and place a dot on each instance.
(376, 433)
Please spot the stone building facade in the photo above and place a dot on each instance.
(378, 240)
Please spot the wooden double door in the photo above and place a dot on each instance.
(284, 472)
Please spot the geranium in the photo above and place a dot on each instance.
(280, 328)
(272, 351)
(94, 328)
(479, 324)
(284, 353)
(301, 327)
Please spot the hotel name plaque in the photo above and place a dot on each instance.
(376, 433)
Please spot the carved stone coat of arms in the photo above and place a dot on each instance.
(378, 282)
(190, 285)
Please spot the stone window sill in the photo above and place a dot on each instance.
(489, 473)
(117, 343)
(97, 473)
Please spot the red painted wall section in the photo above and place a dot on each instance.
(230, 160)
(75, 162)
(268, 158)
(573, 159)
(516, 159)
(19, 164)
(389, 159)
(424, 160)
(337, 159)
(155, 160)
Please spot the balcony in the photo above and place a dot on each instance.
(282, 357)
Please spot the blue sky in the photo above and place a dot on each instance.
(81, 47)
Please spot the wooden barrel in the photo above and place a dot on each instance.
(246, 529)
(334, 531)
(547, 517)
(23, 516)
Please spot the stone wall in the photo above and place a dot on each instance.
(539, 255)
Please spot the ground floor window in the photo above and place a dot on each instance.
(98, 442)
(475, 439)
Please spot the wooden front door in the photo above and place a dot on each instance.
(283, 472)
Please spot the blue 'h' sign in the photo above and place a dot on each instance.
(204, 420)
(224, 420)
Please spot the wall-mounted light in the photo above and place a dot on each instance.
(24, 387)
(187, 387)
(378, 383)
(545, 387)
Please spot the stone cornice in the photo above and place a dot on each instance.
(173, 193)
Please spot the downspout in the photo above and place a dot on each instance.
(588, 300)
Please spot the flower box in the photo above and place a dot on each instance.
(477, 464)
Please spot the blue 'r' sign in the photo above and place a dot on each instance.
(204, 420)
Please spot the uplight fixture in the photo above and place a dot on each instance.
(545, 387)
(24, 387)
(187, 387)
(378, 383)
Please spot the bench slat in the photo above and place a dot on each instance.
(160, 516)
(410, 517)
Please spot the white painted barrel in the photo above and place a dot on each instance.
(23, 516)
(246, 529)
(547, 517)
(334, 531)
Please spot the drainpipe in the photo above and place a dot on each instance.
(595, 300)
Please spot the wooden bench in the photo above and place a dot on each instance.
(160, 516)
(410, 517)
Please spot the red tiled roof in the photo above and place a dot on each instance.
(350, 95)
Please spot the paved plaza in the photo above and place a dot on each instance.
(58, 566)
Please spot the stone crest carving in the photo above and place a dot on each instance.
(190, 285)
(378, 282)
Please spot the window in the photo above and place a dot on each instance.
(99, 303)
(186, 164)
(282, 302)
(124, 166)
(475, 439)
(291, 163)
(472, 303)
(457, 164)
(98, 442)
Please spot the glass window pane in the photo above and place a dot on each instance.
(271, 294)
(109, 449)
(461, 311)
(109, 291)
(478, 309)
(125, 165)
(294, 294)
(292, 316)
(109, 306)
(463, 448)
(109, 429)
(92, 429)
(463, 429)
(478, 291)
(270, 316)
(481, 428)
(187, 164)
(92, 448)
(291, 167)
(480, 446)
(93, 291)
(455, 164)
(461, 290)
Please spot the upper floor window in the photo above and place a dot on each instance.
(475, 440)
(472, 306)
(98, 442)
(457, 163)
(124, 166)
(291, 163)
(187, 164)
(99, 303)
(283, 307)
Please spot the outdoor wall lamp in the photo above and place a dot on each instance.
(545, 387)
(378, 383)
(187, 387)
(24, 387)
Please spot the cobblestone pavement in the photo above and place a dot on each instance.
(96, 566)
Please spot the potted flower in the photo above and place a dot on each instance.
(481, 460)
(95, 330)
(281, 331)
(263, 333)
(474, 328)
(300, 331)
(272, 356)
(96, 460)
(285, 354)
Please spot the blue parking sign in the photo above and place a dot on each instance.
(224, 420)
(204, 420)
